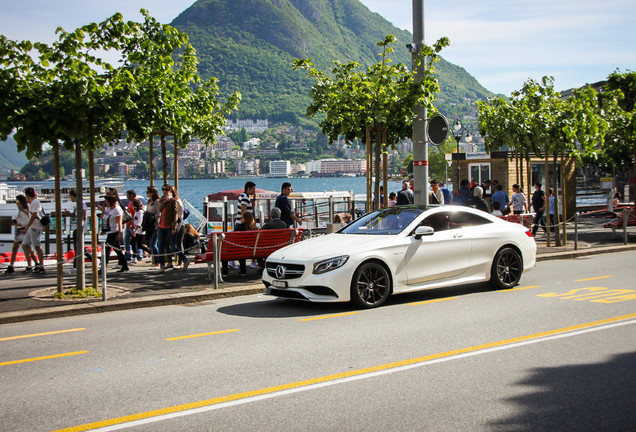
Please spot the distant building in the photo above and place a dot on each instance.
(250, 125)
(246, 167)
(337, 166)
(280, 168)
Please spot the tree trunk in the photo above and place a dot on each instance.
(151, 174)
(369, 170)
(79, 214)
(376, 166)
(164, 158)
(564, 201)
(547, 195)
(93, 224)
(176, 165)
(58, 220)
(557, 236)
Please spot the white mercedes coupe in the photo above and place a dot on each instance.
(402, 249)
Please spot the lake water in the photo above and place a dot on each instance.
(195, 190)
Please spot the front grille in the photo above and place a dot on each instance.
(292, 271)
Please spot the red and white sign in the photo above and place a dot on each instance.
(420, 163)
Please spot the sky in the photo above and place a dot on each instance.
(501, 43)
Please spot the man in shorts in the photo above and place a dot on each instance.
(33, 230)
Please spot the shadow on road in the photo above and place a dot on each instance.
(590, 397)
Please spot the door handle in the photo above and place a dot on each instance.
(458, 235)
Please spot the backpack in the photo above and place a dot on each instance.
(148, 222)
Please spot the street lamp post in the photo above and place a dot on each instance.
(458, 130)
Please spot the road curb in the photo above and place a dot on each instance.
(585, 252)
(127, 303)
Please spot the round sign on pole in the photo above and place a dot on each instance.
(437, 129)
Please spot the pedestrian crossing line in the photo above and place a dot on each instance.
(200, 406)
(201, 335)
(432, 301)
(40, 334)
(329, 316)
(43, 358)
(520, 288)
(593, 278)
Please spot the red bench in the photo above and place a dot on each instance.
(618, 223)
(254, 244)
(524, 219)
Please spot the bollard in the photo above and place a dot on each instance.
(104, 271)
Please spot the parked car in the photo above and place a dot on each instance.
(402, 249)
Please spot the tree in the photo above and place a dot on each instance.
(376, 104)
(621, 139)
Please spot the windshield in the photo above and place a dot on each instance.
(383, 222)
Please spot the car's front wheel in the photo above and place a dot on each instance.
(507, 268)
(371, 285)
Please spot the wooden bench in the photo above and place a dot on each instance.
(256, 244)
(618, 222)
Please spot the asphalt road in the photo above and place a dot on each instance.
(556, 353)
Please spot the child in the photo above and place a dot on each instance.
(496, 209)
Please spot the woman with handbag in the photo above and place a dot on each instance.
(20, 222)
(168, 227)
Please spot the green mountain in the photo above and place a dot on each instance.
(250, 46)
(10, 158)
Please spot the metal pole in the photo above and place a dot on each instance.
(103, 271)
(456, 186)
(625, 216)
(420, 141)
(576, 231)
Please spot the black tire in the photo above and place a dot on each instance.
(507, 268)
(371, 285)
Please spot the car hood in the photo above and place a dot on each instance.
(331, 245)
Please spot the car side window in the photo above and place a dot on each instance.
(443, 221)
(464, 220)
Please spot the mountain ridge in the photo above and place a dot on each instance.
(250, 46)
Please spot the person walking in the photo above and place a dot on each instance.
(112, 220)
(168, 226)
(152, 208)
(73, 214)
(130, 228)
(33, 231)
(20, 221)
(518, 200)
(405, 196)
(244, 202)
(138, 231)
(538, 205)
(282, 202)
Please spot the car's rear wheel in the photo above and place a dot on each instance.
(371, 285)
(507, 268)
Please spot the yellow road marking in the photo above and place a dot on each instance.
(432, 301)
(593, 278)
(43, 358)
(297, 384)
(201, 334)
(329, 316)
(520, 288)
(40, 334)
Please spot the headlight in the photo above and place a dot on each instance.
(330, 264)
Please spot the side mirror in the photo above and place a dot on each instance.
(423, 230)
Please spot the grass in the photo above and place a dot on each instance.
(88, 292)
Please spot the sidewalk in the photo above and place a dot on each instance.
(144, 287)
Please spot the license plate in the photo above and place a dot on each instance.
(279, 284)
